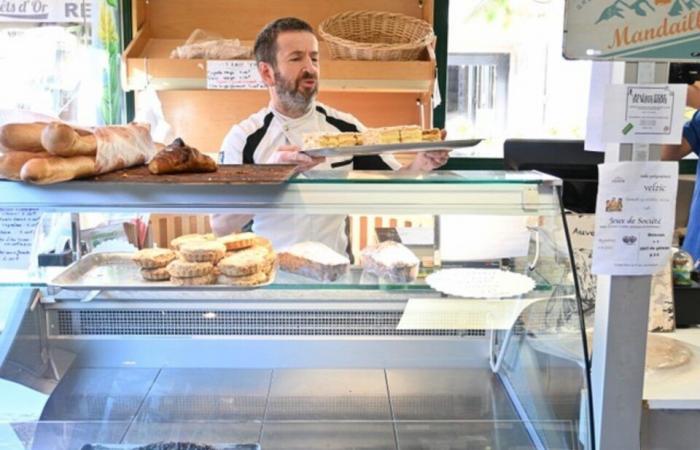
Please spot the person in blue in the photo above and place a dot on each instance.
(690, 143)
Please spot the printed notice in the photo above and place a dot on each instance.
(635, 213)
(644, 114)
(17, 236)
(239, 74)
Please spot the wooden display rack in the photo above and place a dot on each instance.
(379, 93)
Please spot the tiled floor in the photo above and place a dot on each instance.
(284, 409)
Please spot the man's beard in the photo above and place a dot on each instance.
(289, 94)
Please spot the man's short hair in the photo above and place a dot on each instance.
(266, 43)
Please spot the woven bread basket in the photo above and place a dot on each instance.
(376, 35)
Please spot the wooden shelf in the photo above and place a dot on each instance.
(146, 61)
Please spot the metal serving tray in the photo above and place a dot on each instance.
(360, 150)
(169, 445)
(99, 271)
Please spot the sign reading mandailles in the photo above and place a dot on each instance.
(632, 29)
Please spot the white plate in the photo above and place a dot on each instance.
(480, 283)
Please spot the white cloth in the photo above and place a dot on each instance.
(255, 139)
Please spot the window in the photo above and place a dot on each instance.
(507, 77)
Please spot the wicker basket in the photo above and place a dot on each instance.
(376, 35)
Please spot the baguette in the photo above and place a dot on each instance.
(23, 137)
(62, 140)
(11, 163)
(55, 169)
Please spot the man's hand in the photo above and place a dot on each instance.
(427, 161)
(291, 154)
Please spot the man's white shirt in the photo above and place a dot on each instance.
(254, 141)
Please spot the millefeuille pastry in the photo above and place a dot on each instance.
(319, 140)
(381, 136)
(411, 133)
(432, 135)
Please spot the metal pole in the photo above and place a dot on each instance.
(621, 320)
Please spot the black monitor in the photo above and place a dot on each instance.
(564, 159)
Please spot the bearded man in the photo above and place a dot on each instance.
(287, 56)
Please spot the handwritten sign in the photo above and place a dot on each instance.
(45, 10)
(17, 236)
(644, 114)
(632, 30)
(233, 75)
(635, 214)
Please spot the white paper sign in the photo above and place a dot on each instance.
(460, 314)
(635, 214)
(581, 230)
(644, 113)
(237, 74)
(476, 238)
(45, 10)
(17, 236)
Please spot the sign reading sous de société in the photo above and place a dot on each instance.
(633, 30)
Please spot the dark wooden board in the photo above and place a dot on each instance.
(226, 174)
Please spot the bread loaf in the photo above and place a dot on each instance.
(62, 140)
(11, 162)
(25, 137)
(55, 169)
(314, 260)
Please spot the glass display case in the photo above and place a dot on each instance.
(479, 347)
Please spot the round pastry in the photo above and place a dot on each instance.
(199, 251)
(159, 274)
(255, 279)
(185, 269)
(194, 281)
(237, 241)
(263, 242)
(244, 262)
(178, 241)
(153, 258)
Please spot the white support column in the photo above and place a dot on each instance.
(621, 320)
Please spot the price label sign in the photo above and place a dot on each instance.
(239, 74)
(17, 228)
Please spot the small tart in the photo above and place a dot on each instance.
(201, 251)
(185, 269)
(245, 262)
(153, 258)
(237, 241)
(159, 274)
(179, 241)
(194, 281)
(255, 279)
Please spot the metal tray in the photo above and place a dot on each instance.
(360, 150)
(168, 445)
(99, 271)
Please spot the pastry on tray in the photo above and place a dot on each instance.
(238, 241)
(391, 261)
(202, 251)
(159, 274)
(314, 260)
(180, 240)
(179, 157)
(153, 258)
(186, 269)
(432, 135)
(246, 262)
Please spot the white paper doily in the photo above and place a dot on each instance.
(480, 283)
